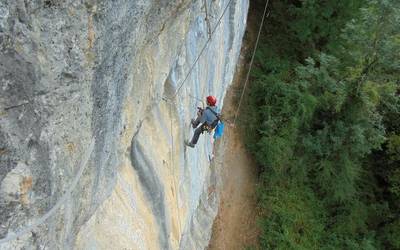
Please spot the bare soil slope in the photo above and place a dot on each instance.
(235, 224)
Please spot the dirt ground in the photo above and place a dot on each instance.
(235, 225)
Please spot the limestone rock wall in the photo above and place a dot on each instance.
(91, 156)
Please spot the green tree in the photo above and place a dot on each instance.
(323, 122)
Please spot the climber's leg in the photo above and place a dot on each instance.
(197, 132)
(196, 122)
(196, 135)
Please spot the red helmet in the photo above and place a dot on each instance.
(211, 100)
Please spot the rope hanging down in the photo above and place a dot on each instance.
(59, 203)
(174, 95)
(251, 62)
(83, 164)
(223, 141)
(87, 156)
(201, 52)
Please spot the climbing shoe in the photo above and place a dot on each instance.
(188, 143)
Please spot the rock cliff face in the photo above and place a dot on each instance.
(91, 156)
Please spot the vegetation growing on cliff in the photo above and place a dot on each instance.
(323, 115)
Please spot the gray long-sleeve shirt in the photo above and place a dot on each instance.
(208, 116)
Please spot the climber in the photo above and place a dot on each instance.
(208, 118)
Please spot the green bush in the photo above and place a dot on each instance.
(322, 117)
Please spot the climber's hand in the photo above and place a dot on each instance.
(199, 111)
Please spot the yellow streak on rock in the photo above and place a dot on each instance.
(90, 56)
(3, 151)
(118, 223)
(71, 147)
(24, 188)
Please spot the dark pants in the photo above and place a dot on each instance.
(198, 130)
(197, 134)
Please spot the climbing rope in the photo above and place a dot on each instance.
(167, 100)
(59, 203)
(251, 62)
(83, 164)
(223, 141)
(190, 71)
(201, 52)
(76, 179)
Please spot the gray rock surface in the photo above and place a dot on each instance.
(76, 72)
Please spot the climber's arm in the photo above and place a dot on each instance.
(203, 117)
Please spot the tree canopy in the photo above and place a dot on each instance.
(323, 115)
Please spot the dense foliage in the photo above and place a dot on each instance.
(323, 120)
